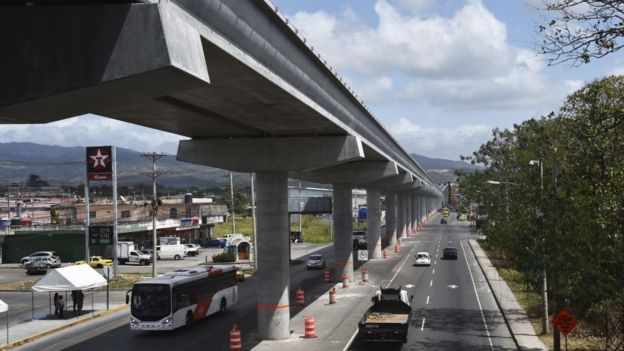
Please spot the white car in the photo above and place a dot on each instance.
(191, 249)
(422, 259)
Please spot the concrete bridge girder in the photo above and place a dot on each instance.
(271, 154)
(358, 172)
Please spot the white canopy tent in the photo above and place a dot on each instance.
(77, 277)
(5, 308)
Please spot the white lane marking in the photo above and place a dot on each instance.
(409, 286)
(427, 300)
(433, 271)
(422, 326)
(351, 340)
(487, 331)
(435, 262)
(431, 283)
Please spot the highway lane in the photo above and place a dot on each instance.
(453, 308)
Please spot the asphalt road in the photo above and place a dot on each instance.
(453, 307)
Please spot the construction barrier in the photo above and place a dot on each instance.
(299, 297)
(332, 296)
(397, 247)
(385, 254)
(235, 339)
(327, 276)
(310, 327)
(345, 281)
(365, 275)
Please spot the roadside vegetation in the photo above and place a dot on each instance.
(314, 229)
(572, 226)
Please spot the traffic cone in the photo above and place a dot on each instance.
(332, 296)
(345, 281)
(300, 297)
(385, 254)
(397, 247)
(310, 327)
(327, 276)
(235, 339)
(365, 275)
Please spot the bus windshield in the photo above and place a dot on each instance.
(151, 302)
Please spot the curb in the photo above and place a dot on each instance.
(62, 327)
(500, 307)
(498, 303)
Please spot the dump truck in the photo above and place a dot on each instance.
(388, 318)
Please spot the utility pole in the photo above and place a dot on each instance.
(300, 229)
(253, 219)
(232, 200)
(154, 156)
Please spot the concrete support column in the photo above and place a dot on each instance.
(408, 215)
(418, 210)
(401, 216)
(274, 270)
(391, 219)
(423, 216)
(373, 199)
(413, 201)
(343, 231)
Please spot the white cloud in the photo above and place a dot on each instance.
(93, 130)
(440, 142)
(461, 60)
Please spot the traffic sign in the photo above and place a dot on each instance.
(564, 321)
(362, 255)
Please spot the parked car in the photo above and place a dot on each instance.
(97, 262)
(422, 259)
(449, 253)
(56, 259)
(316, 262)
(215, 243)
(191, 250)
(41, 264)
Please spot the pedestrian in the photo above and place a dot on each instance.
(79, 300)
(56, 304)
(61, 305)
(74, 294)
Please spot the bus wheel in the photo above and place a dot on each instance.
(189, 319)
(223, 306)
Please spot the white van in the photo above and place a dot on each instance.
(168, 252)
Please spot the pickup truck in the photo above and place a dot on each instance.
(388, 318)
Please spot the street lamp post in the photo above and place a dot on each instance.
(544, 282)
(495, 182)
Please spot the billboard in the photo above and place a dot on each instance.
(99, 163)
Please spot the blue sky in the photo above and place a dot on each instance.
(439, 74)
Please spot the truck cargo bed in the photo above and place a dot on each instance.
(383, 317)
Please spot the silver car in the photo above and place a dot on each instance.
(315, 262)
(54, 259)
(41, 264)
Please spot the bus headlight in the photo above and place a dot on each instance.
(167, 321)
(133, 321)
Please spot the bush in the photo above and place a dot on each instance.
(224, 257)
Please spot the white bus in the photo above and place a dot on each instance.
(182, 296)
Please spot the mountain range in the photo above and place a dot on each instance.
(65, 165)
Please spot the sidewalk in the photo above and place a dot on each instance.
(516, 318)
(42, 326)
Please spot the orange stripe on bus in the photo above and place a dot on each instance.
(272, 307)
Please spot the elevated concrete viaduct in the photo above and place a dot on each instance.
(237, 80)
